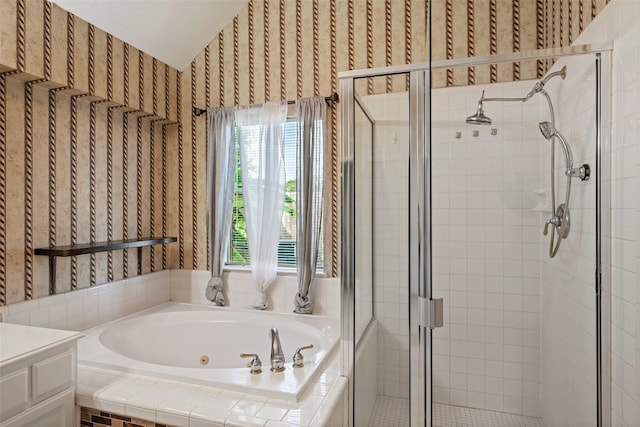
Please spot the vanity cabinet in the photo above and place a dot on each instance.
(37, 376)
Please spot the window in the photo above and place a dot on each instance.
(238, 250)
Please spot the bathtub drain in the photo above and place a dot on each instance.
(204, 359)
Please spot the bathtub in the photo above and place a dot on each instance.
(202, 345)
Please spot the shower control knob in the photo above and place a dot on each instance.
(561, 221)
(556, 221)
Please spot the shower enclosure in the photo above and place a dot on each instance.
(453, 311)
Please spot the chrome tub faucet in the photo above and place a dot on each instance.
(277, 355)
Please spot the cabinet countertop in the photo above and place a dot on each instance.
(18, 341)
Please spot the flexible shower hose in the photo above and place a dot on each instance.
(554, 242)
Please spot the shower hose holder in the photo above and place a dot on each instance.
(583, 172)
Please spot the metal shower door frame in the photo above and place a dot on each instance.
(420, 218)
(420, 272)
(419, 232)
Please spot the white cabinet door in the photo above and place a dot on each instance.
(56, 411)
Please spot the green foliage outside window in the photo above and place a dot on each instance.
(239, 245)
(239, 252)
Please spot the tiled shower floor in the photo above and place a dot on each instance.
(390, 412)
(394, 412)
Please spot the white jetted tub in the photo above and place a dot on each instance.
(201, 344)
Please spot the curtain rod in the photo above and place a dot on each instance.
(331, 98)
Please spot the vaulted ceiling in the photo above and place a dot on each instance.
(174, 31)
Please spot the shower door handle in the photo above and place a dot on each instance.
(431, 312)
(437, 313)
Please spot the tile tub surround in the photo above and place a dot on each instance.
(188, 286)
(169, 341)
(134, 395)
(85, 308)
(181, 404)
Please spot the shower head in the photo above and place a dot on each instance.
(479, 118)
(548, 130)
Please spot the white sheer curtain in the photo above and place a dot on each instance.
(310, 115)
(261, 138)
(221, 165)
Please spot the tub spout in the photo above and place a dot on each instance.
(277, 355)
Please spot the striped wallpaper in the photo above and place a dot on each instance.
(98, 140)
(85, 120)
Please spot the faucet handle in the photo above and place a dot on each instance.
(556, 221)
(255, 365)
(298, 359)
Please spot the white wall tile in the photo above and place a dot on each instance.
(484, 284)
(88, 307)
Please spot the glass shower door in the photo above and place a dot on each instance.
(434, 207)
(384, 249)
(365, 373)
(524, 335)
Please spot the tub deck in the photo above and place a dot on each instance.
(110, 386)
(188, 405)
(168, 341)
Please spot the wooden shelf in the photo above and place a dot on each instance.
(91, 248)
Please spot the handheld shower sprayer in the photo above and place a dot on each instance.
(549, 131)
(561, 219)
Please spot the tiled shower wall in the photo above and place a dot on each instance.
(486, 227)
(514, 359)
(567, 281)
(619, 23)
(390, 239)
(363, 175)
(566, 295)
(486, 257)
(625, 217)
(625, 329)
(490, 200)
